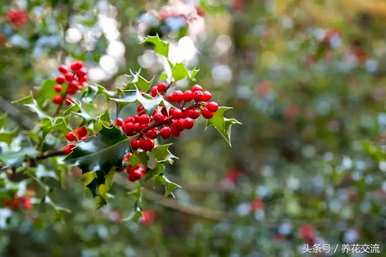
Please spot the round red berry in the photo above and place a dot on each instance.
(118, 122)
(187, 123)
(57, 99)
(188, 96)
(70, 136)
(197, 88)
(135, 174)
(129, 128)
(68, 148)
(175, 113)
(165, 132)
(81, 133)
(62, 69)
(146, 144)
(197, 96)
(212, 106)
(76, 65)
(162, 87)
(69, 76)
(154, 91)
(151, 133)
(159, 117)
(193, 113)
(206, 96)
(58, 88)
(134, 143)
(144, 119)
(206, 113)
(60, 79)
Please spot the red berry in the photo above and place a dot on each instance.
(154, 91)
(134, 143)
(197, 88)
(146, 144)
(57, 99)
(175, 113)
(70, 136)
(118, 122)
(206, 96)
(179, 96)
(206, 113)
(69, 76)
(68, 148)
(188, 96)
(72, 90)
(60, 79)
(165, 132)
(83, 79)
(136, 173)
(151, 133)
(162, 87)
(62, 69)
(81, 72)
(140, 109)
(159, 117)
(187, 123)
(81, 133)
(58, 88)
(197, 96)
(129, 128)
(144, 119)
(129, 119)
(193, 113)
(76, 65)
(212, 106)
(175, 131)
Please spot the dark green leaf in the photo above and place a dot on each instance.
(160, 46)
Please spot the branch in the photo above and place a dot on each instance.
(50, 154)
(186, 209)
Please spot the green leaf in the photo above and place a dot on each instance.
(222, 124)
(100, 154)
(169, 185)
(160, 46)
(88, 177)
(148, 102)
(14, 159)
(34, 106)
(162, 153)
(179, 71)
(8, 136)
(137, 81)
(46, 91)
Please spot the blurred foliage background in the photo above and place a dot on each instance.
(306, 79)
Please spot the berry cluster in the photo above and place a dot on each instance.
(73, 136)
(17, 17)
(165, 122)
(75, 78)
(18, 202)
(134, 173)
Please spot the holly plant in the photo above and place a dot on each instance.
(110, 134)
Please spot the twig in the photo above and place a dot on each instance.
(187, 209)
(50, 154)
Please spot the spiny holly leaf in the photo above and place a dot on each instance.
(137, 81)
(179, 72)
(34, 106)
(222, 124)
(15, 158)
(100, 154)
(46, 91)
(160, 46)
(169, 185)
(162, 153)
(130, 96)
